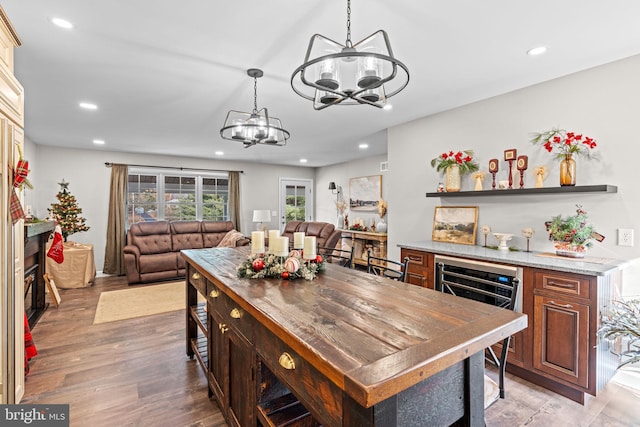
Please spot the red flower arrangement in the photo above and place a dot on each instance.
(464, 159)
(563, 143)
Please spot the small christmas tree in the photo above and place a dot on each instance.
(67, 213)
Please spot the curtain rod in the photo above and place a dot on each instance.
(109, 164)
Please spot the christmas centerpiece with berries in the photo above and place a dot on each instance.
(572, 234)
(67, 213)
(291, 267)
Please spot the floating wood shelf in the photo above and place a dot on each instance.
(524, 191)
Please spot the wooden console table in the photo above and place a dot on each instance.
(359, 241)
(343, 349)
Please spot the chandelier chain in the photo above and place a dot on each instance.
(348, 42)
(255, 95)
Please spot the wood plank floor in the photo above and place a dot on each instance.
(135, 373)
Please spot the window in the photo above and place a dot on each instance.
(170, 195)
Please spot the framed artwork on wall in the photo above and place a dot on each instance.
(455, 224)
(364, 193)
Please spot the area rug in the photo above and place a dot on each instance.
(143, 300)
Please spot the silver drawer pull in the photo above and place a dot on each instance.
(286, 361)
(560, 305)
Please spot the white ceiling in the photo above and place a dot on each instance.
(165, 73)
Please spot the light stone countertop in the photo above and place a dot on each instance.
(600, 266)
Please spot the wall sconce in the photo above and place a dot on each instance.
(335, 189)
(261, 216)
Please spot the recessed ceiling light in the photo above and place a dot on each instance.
(537, 51)
(62, 23)
(303, 160)
(88, 106)
(98, 141)
(219, 153)
(387, 107)
(363, 146)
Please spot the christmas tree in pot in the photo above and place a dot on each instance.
(67, 213)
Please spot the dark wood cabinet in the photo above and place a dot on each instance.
(565, 311)
(420, 270)
(561, 339)
(232, 365)
(560, 350)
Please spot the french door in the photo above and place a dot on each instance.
(296, 200)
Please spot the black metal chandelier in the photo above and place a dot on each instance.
(256, 127)
(349, 74)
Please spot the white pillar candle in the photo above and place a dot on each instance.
(298, 240)
(283, 246)
(257, 242)
(273, 234)
(309, 247)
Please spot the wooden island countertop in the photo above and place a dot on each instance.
(371, 337)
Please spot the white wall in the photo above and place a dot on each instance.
(89, 178)
(340, 174)
(603, 103)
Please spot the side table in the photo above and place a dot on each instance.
(78, 270)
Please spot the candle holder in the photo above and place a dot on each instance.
(522, 164)
(528, 233)
(493, 169)
(510, 156)
(485, 230)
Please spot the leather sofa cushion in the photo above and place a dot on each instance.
(159, 262)
(214, 231)
(186, 235)
(150, 237)
(322, 230)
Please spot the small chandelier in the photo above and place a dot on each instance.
(256, 127)
(350, 74)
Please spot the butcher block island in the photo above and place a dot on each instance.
(347, 348)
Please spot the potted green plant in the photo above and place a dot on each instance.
(621, 321)
(571, 235)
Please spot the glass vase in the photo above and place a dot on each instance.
(452, 178)
(567, 171)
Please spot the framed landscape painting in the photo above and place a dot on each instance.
(364, 193)
(455, 224)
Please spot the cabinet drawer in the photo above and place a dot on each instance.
(567, 284)
(417, 258)
(233, 315)
(215, 297)
(197, 280)
(317, 393)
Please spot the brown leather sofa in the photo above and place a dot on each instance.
(326, 234)
(153, 248)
